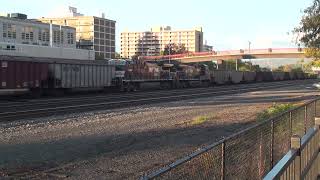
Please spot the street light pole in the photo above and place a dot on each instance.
(236, 64)
(169, 52)
(250, 55)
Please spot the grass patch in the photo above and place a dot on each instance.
(274, 110)
(199, 120)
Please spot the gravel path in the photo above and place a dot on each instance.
(125, 143)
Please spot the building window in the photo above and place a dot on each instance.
(45, 35)
(70, 37)
(96, 21)
(39, 35)
(27, 33)
(9, 31)
(56, 37)
(5, 29)
(31, 36)
(61, 37)
(112, 24)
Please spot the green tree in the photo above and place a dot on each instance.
(117, 55)
(309, 30)
(242, 66)
(291, 68)
(278, 69)
(173, 48)
(211, 65)
(135, 57)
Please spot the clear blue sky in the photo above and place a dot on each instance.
(227, 24)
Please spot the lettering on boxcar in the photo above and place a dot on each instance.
(4, 64)
(72, 68)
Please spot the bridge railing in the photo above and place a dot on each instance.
(225, 53)
(248, 154)
(302, 161)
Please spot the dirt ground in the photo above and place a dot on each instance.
(125, 143)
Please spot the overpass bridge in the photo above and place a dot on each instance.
(232, 54)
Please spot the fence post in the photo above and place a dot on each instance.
(315, 108)
(296, 144)
(290, 122)
(223, 164)
(305, 119)
(317, 122)
(271, 143)
(317, 125)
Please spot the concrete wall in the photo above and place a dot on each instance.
(43, 51)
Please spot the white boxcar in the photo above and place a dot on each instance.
(249, 76)
(221, 76)
(278, 76)
(236, 76)
(66, 74)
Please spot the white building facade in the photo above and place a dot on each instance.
(35, 39)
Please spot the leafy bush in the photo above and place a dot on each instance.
(274, 110)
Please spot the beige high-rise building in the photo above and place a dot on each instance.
(92, 32)
(154, 41)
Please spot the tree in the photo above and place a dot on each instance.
(173, 48)
(291, 68)
(287, 68)
(135, 57)
(117, 55)
(242, 66)
(309, 30)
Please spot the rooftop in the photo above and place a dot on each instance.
(31, 21)
(71, 13)
(165, 28)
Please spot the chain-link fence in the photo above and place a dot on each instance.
(249, 154)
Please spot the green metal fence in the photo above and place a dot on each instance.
(248, 154)
(302, 161)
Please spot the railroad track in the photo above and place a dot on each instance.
(7, 106)
(39, 108)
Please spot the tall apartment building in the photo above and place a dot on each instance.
(92, 32)
(154, 41)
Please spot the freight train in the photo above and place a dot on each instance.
(56, 76)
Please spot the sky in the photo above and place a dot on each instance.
(227, 24)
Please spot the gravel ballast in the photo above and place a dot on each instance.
(124, 143)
